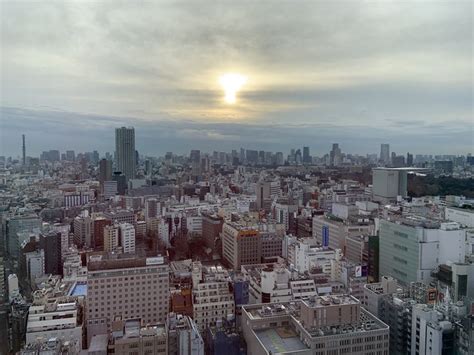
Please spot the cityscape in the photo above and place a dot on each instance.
(255, 178)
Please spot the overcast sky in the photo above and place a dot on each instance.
(359, 73)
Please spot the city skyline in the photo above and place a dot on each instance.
(303, 149)
(85, 69)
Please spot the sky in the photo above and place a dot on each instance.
(359, 73)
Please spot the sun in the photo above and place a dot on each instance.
(231, 82)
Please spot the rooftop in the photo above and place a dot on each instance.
(331, 300)
(280, 340)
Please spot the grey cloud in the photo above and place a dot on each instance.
(334, 68)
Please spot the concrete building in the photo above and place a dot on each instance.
(458, 277)
(268, 283)
(131, 336)
(125, 287)
(61, 319)
(111, 238)
(34, 265)
(412, 247)
(357, 249)
(240, 245)
(213, 299)
(14, 228)
(83, 230)
(105, 173)
(306, 255)
(125, 152)
(374, 292)
(463, 216)
(51, 244)
(266, 191)
(319, 325)
(388, 184)
(152, 208)
(99, 222)
(431, 332)
(184, 337)
(302, 288)
(385, 153)
(339, 230)
(127, 237)
(121, 216)
(13, 287)
(110, 189)
(211, 229)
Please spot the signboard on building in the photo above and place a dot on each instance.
(157, 260)
(325, 237)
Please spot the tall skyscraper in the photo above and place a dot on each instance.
(306, 156)
(335, 156)
(385, 153)
(24, 150)
(125, 151)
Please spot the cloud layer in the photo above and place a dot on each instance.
(360, 73)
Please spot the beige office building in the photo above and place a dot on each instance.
(120, 286)
(240, 245)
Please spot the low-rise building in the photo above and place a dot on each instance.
(319, 325)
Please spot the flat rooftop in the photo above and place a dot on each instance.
(331, 300)
(280, 340)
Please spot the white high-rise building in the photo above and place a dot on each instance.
(35, 265)
(127, 237)
(125, 151)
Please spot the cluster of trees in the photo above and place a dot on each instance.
(444, 185)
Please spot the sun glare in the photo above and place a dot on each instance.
(232, 82)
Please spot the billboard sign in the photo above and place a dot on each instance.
(325, 237)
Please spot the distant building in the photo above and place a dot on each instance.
(105, 172)
(388, 184)
(385, 153)
(306, 156)
(444, 166)
(335, 155)
(125, 151)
